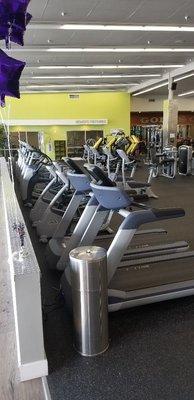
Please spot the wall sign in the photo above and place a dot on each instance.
(50, 122)
(156, 118)
(90, 122)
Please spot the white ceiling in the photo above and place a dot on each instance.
(117, 11)
(150, 12)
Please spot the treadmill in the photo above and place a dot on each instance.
(85, 233)
(134, 281)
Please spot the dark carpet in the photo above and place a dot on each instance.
(151, 353)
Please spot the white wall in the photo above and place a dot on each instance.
(143, 104)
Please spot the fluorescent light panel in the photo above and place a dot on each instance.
(152, 88)
(107, 27)
(107, 66)
(165, 84)
(113, 50)
(91, 76)
(186, 93)
(147, 28)
(70, 90)
(59, 91)
(184, 77)
(79, 85)
(53, 49)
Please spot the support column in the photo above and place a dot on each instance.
(170, 117)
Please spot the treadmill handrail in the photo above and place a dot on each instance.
(140, 217)
(127, 230)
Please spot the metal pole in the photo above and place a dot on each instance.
(90, 299)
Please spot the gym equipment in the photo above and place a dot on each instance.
(112, 164)
(142, 189)
(56, 244)
(88, 154)
(81, 183)
(144, 280)
(165, 163)
(185, 154)
(42, 202)
(98, 143)
(85, 233)
(32, 173)
(22, 153)
(47, 225)
(137, 275)
(92, 151)
(134, 144)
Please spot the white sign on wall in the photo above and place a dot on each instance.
(39, 122)
(90, 122)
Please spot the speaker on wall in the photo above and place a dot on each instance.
(174, 86)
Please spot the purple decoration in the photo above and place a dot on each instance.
(21, 20)
(13, 20)
(17, 33)
(15, 6)
(17, 36)
(10, 72)
(3, 32)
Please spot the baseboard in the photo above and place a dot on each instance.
(33, 370)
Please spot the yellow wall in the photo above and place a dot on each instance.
(114, 106)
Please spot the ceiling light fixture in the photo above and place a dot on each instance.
(165, 84)
(148, 28)
(112, 50)
(186, 93)
(80, 85)
(69, 90)
(152, 88)
(95, 76)
(109, 66)
(183, 77)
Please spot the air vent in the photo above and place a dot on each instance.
(73, 96)
(151, 100)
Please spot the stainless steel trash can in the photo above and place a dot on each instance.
(90, 299)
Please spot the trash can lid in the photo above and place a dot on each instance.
(88, 253)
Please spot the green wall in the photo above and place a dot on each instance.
(114, 106)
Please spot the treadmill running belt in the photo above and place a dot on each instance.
(150, 275)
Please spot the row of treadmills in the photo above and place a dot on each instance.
(75, 204)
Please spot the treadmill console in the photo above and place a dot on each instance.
(99, 175)
(90, 170)
(76, 164)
